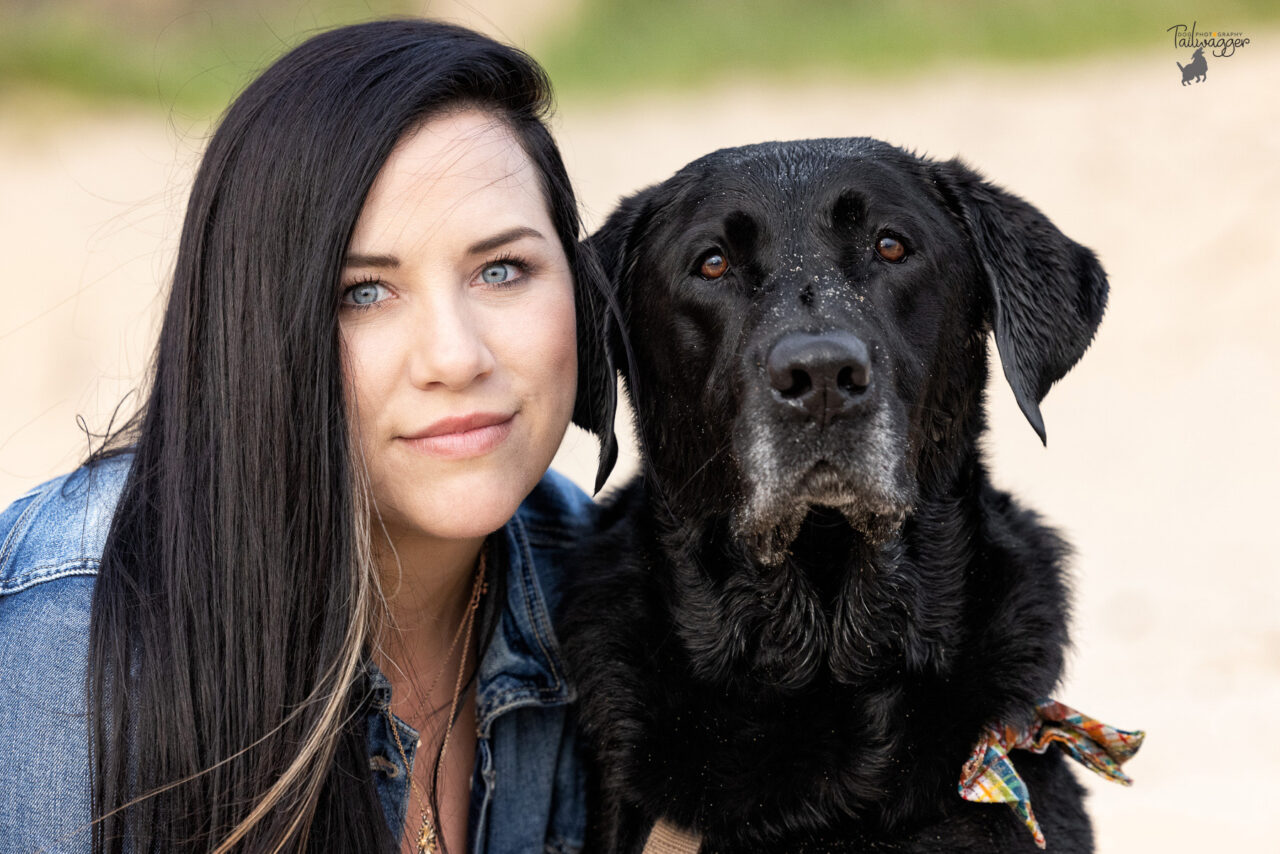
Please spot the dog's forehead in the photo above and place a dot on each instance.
(796, 173)
(797, 161)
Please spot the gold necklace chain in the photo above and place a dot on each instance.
(428, 841)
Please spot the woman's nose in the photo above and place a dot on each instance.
(448, 346)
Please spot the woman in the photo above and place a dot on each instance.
(310, 583)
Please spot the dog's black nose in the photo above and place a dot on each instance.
(824, 374)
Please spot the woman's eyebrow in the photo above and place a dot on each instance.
(503, 238)
(357, 260)
(489, 244)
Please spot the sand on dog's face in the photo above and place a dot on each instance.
(1160, 464)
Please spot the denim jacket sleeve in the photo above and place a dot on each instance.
(50, 543)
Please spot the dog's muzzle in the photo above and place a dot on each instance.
(828, 438)
(823, 376)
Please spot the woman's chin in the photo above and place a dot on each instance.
(459, 508)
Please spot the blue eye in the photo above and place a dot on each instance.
(364, 294)
(497, 273)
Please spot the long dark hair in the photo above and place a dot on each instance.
(235, 601)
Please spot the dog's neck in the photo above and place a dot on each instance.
(837, 608)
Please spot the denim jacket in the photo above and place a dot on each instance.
(528, 791)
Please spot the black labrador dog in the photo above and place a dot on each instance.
(797, 620)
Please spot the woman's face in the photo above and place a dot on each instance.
(457, 322)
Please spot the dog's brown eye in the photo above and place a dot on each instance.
(890, 249)
(714, 265)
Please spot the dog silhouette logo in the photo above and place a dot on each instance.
(1195, 70)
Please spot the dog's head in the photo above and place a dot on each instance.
(807, 327)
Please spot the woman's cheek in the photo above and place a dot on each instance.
(561, 356)
(365, 366)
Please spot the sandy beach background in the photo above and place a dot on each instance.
(1162, 464)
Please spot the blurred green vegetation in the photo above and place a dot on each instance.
(664, 44)
(196, 54)
(188, 54)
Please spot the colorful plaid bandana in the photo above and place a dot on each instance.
(989, 776)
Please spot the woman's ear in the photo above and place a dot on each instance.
(1047, 291)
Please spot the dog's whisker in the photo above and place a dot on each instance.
(724, 447)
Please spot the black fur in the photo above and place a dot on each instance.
(791, 629)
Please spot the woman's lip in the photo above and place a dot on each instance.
(461, 424)
(460, 438)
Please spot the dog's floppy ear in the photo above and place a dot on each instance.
(612, 245)
(605, 254)
(596, 403)
(1047, 291)
(601, 343)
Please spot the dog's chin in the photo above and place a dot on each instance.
(769, 522)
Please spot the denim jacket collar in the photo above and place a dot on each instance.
(522, 665)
